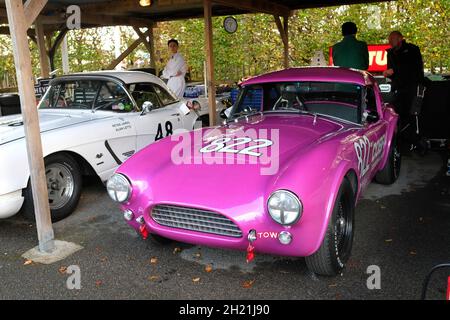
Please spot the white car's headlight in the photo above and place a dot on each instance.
(119, 188)
(284, 207)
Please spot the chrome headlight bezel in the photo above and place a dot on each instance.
(119, 183)
(278, 218)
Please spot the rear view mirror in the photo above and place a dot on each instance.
(147, 106)
(225, 113)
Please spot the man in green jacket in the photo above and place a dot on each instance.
(350, 52)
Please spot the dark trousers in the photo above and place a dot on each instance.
(408, 123)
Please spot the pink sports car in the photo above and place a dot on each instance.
(281, 175)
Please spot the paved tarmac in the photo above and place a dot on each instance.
(404, 229)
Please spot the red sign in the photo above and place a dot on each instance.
(377, 57)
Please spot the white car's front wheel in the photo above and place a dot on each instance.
(64, 182)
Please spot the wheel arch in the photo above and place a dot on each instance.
(85, 166)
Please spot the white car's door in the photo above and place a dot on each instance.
(164, 118)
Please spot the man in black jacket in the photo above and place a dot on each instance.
(405, 69)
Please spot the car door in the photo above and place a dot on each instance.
(164, 117)
(112, 99)
(372, 138)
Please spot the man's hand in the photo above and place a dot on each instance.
(179, 73)
(388, 72)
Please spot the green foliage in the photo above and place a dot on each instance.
(256, 47)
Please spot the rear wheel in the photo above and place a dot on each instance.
(64, 183)
(336, 246)
(389, 174)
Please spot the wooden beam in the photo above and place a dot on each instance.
(31, 10)
(55, 46)
(105, 20)
(43, 55)
(30, 32)
(283, 28)
(263, 6)
(207, 8)
(125, 54)
(22, 61)
(149, 44)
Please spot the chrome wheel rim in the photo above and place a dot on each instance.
(60, 185)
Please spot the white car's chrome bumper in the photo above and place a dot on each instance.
(10, 203)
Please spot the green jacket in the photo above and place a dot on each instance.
(351, 53)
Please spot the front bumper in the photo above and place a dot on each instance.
(10, 203)
(267, 232)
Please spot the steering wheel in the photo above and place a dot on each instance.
(63, 100)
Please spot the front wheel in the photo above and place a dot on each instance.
(336, 247)
(64, 182)
(389, 174)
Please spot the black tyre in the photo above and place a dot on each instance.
(336, 246)
(389, 174)
(160, 240)
(64, 182)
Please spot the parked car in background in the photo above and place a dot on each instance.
(328, 134)
(90, 123)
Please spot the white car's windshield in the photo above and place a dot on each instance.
(87, 94)
(340, 100)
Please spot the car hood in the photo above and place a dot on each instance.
(11, 127)
(196, 176)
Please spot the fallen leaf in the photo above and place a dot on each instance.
(248, 284)
(153, 278)
(198, 255)
(27, 262)
(388, 240)
(195, 280)
(208, 268)
(154, 260)
(104, 259)
(62, 270)
(332, 285)
(176, 250)
(413, 253)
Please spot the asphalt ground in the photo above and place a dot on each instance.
(404, 229)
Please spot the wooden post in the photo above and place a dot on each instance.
(283, 28)
(151, 41)
(43, 56)
(286, 43)
(65, 56)
(22, 59)
(207, 8)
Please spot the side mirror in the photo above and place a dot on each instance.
(225, 113)
(371, 116)
(147, 106)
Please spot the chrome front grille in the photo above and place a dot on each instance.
(196, 220)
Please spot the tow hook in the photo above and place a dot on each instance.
(142, 228)
(251, 249)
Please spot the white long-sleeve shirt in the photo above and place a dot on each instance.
(176, 83)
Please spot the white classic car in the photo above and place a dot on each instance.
(90, 123)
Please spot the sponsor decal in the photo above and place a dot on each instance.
(229, 147)
(122, 125)
(368, 153)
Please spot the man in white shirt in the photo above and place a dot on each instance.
(175, 70)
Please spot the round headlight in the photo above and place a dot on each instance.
(284, 207)
(119, 188)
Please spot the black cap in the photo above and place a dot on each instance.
(349, 28)
(172, 40)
